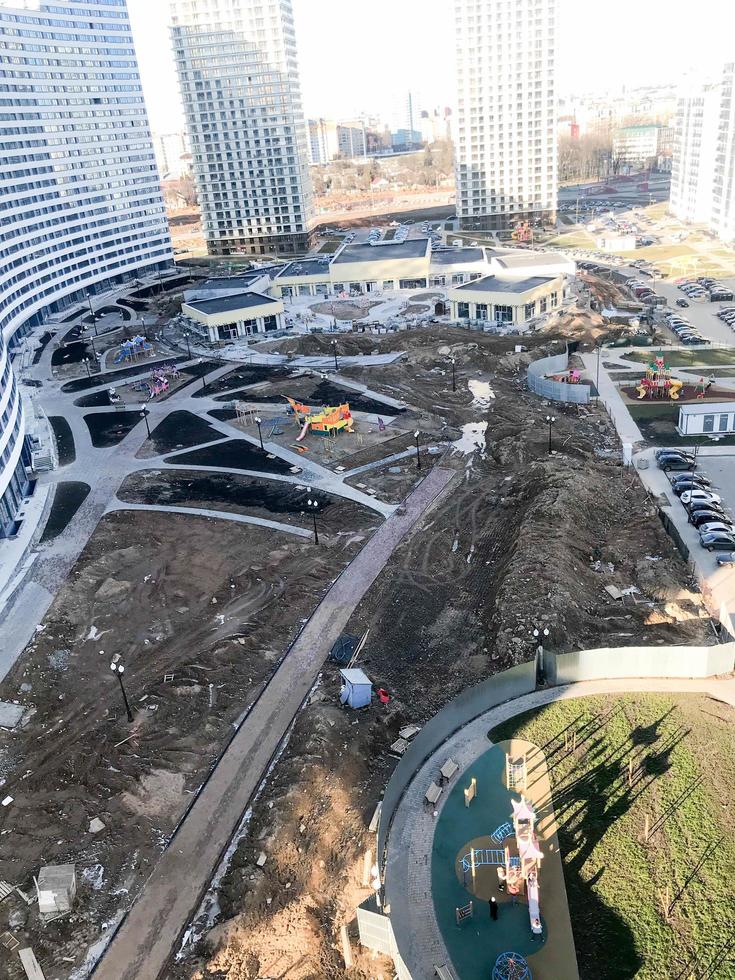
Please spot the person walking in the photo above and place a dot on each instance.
(493, 909)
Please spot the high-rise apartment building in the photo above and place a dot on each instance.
(79, 196)
(703, 168)
(505, 119)
(236, 62)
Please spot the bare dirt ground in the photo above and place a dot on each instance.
(527, 539)
(211, 604)
(344, 309)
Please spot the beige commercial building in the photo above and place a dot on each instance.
(504, 301)
(241, 315)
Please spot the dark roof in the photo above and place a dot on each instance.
(412, 248)
(228, 282)
(491, 284)
(451, 256)
(227, 304)
(511, 261)
(306, 267)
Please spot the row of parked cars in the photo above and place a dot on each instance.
(685, 330)
(705, 287)
(727, 315)
(704, 506)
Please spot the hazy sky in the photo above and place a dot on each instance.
(357, 55)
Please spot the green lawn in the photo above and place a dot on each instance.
(574, 239)
(684, 781)
(684, 358)
(331, 246)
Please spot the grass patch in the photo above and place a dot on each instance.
(684, 779)
(331, 246)
(574, 239)
(684, 358)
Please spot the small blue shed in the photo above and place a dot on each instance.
(357, 688)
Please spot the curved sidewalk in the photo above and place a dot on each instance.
(408, 868)
(146, 938)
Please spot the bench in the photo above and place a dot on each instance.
(449, 768)
(433, 793)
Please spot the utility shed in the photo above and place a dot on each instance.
(56, 887)
(357, 688)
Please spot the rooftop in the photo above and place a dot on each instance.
(491, 284)
(228, 282)
(306, 267)
(227, 304)
(453, 256)
(519, 259)
(412, 248)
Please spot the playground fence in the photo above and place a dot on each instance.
(556, 391)
(586, 665)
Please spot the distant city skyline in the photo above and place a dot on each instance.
(409, 46)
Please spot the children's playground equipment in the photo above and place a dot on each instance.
(130, 349)
(321, 421)
(658, 382)
(520, 870)
(158, 382)
(572, 377)
(511, 966)
(516, 773)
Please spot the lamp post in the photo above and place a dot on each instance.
(92, 313)
(85, 361)
(144, 416)
(258, 422)
(550, 419)
(188, 345)
(454, 374)
(117, 668)
(313, 506)
(597, 379)
(204, 374)
(94, 349)
(334, 351)
(418, 454)
(539, 637)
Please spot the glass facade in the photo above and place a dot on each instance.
(13, 457)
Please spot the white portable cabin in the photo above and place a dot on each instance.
(713, 419)
(357, 688)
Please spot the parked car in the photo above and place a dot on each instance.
(681, 488)
(718, 541)
(701, 517)
(671, 451)
(683, 303)
(697, 506)
(727, 558)
(690, 495)
(686, 477)
(667, 463)
(709, 527)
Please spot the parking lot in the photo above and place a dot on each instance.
(701, 313)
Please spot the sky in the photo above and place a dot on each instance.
(364, 56)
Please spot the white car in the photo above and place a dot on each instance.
(689, 495)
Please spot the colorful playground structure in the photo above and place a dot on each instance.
(658, 382)
(571, 377)
(324, 421)
(130, 349)
(158, 383)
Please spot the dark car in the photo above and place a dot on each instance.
(700, 517)
(669, 450)
(718, 541)
(674, 463)
(699, 505)
(680, 488)
(684, 477)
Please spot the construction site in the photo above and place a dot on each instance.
(538, 526)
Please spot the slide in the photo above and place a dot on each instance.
(641, 389)
(119, 357)
(303, 432)
(534, 913)
(674, 389)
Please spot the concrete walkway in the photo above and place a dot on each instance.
(408, 867)
(146, 938)
(224, 515)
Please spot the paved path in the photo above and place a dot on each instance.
(224, 515)
(408, 867)
(146, 938)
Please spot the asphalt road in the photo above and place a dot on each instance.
(701, 314)
(147, 936)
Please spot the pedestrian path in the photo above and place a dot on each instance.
(224, 515)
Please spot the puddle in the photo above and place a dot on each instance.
(482, 393)
(473, 438)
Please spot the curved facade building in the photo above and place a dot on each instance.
(13, 453)
(80, 202)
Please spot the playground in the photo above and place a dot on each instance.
(643, 787)
(492, 842)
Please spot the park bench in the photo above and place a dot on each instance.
(449, 768)
(433, 793)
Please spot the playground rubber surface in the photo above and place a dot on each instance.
(234, 454)
(109, 428)
(68, 498)
(64, 439)
(179, 430)
(113, 377)
(476, 943)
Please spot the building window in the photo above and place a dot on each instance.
(481, 311)
(387, 284)
(504, 314)
(529, 310)
(542, 305)
(708, 423)
(463, 311)
(722, 427)
(554, 300)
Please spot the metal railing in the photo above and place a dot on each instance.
(556, 391)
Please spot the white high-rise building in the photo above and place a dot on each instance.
(79, 195)
(236, 61)
(505, 119)
(703, 167)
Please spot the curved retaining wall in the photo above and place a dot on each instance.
(556, 391)
(565, 668)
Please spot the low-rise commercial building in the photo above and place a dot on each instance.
(503, 301)
(239, 315)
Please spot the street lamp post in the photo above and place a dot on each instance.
(117, 668)
(144, 416)
(550, 419)
(85, 361)
(418, 454)
(597, 380)
(259, 422)
(334, 351)
(94, 349)
(92, 313)
(454, 374)
(313, 506)
(540, 637)
(188, 345)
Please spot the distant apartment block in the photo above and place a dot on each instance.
(635, 147)
(505, 122)
(703, 169)
(236, 62)
(322, 144)
(172, 154)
